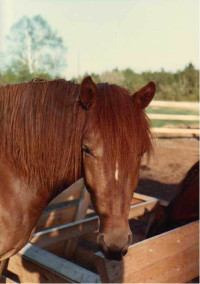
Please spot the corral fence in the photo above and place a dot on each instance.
(176, 131)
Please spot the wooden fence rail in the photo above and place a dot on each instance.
(171, 104)
(188, 131)
(185, 117)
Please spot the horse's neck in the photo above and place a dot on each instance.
(19, 199)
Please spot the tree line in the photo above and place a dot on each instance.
(34, 50)
(182, 85)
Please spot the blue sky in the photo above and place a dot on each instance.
(101, 35)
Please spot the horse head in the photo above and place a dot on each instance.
(115, 137)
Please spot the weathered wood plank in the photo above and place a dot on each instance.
(80, 214)
(35, 265)
(84, 257)
(57, 216)
(171, 104)
(144, 197)
(91, 237)
(29, 272)
(141, 196)
(180, 117)
(139, 209)
(177, 132)
(57, 248)
(72, 192)
(175, 251)
(83, 205)
(136, 201)
(178, 268)
(65, 232)
(52, 217)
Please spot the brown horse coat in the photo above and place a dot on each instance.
(184, 208)
(52, 133)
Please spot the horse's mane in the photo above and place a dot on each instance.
(41, 127)
(40, 133)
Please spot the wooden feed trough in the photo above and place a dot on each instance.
(67, 252)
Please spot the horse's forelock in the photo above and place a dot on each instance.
(124, 127)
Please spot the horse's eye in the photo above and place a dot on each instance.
(86, 150)
(141, 154)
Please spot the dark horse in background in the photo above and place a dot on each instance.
(54, 132)
(184, 208)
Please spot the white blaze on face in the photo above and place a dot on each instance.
(117, 172)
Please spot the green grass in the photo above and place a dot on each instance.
(162, 123)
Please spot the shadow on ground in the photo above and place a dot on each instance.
(157, 189)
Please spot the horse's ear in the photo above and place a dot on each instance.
(145, 95)
(88, 93)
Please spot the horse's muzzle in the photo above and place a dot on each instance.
(113, 252)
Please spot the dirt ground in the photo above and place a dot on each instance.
(172, 159)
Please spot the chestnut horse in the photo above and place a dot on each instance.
(184, 208)
(54, 132)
